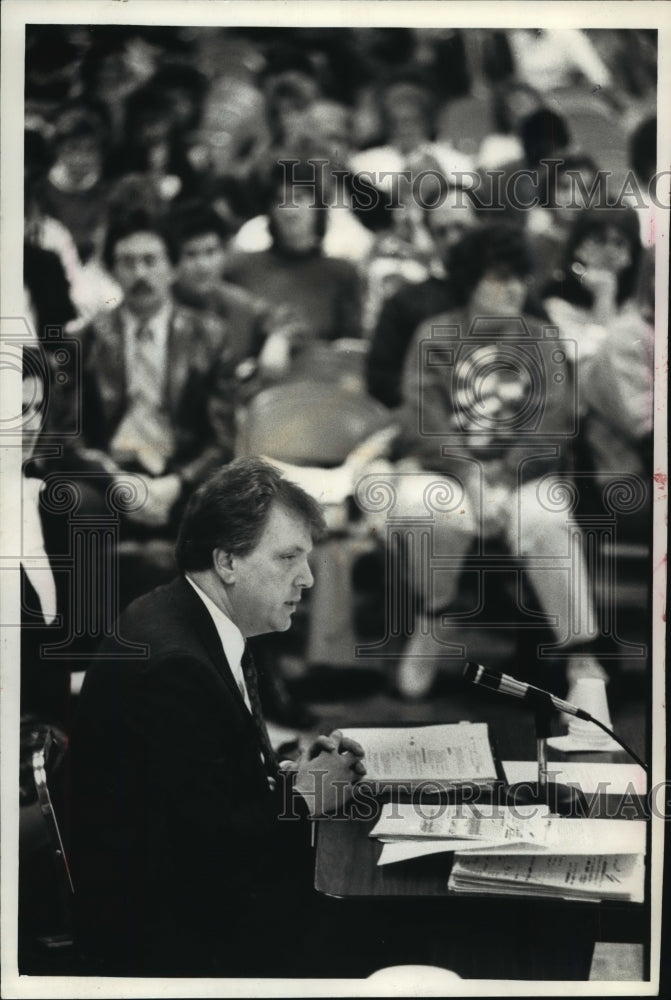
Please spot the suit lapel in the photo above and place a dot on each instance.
(111, 364)
(209, 637)
(179, 353)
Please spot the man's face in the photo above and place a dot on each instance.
(202, 262)
(295, 220)
(448, 223)
(81, 155)
(143, 269)
(269, 580)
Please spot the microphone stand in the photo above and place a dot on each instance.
(563, 800)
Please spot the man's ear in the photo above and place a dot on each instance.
(222, 563)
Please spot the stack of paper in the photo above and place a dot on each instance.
(521, 850)
(413, 829)
(586, 877)
(446, 755)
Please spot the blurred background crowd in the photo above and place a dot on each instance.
(281, 316)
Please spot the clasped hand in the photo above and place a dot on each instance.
(327, 773)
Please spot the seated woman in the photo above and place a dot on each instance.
(598, 281)
(488, 411)
(44, 683)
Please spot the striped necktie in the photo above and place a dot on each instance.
(252, 684)
(145, 434)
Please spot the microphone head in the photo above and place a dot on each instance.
(473, 672)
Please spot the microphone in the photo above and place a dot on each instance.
(537, 698)
(518, 689)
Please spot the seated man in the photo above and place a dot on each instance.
(157, 382)
(486, 419)
(191, 848)
(202, 236)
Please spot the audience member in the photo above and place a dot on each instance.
(153, 145)
(45, 684)
(481, 401)
(595, 302)
(91, 288)
(403, 311)
(202, 238)
(312, 297)
(548, 59)
(548, 225)
(75, 190)
(184, 88)
(512, 102)
(157, 392)
(114, 66)
(344, 236)
(408, 113)
(598, 280)
(46, 291)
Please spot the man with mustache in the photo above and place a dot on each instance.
(157, 384)
(191, 843)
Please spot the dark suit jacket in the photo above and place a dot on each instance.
(243, 314)
(181, 864)
(199, 390)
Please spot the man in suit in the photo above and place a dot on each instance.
(190, 843)
(157, 392)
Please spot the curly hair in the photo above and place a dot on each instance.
(495, 247)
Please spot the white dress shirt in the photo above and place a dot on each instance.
(232, 640)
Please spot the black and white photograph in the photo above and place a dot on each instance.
(333, 442)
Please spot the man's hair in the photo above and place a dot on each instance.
(643, 149)
(147, 103)
(544, 133)
(136, 221)
(76, 121)
(496, 247)
(192, 219)
(279, 186)
(230, 510)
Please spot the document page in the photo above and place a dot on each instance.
(445, 753)
(588, 877)
(581, 836)
(455, 821)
